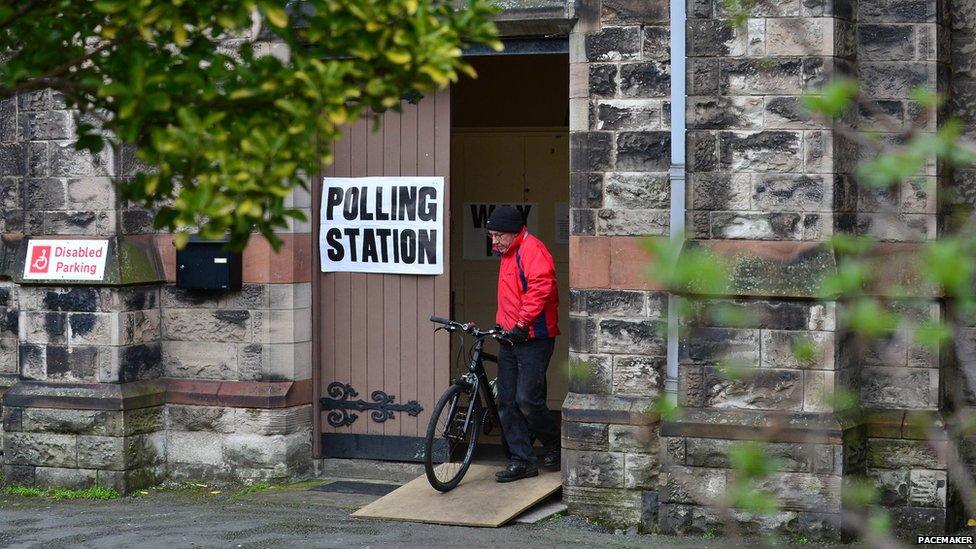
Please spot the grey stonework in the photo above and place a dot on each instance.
(72, 357)
(262, 333)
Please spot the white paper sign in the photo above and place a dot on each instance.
(66, 260)
(382, 225)
(476, 244)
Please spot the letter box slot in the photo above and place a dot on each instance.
(205, 265)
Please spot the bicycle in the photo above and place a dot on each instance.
(461, 411)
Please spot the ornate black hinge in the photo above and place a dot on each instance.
(382, 406)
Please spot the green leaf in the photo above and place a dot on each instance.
(832, 99)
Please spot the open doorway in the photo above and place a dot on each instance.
(510, 145)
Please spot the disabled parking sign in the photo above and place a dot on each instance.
(65, 260)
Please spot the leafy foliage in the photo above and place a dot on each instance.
(225, 130)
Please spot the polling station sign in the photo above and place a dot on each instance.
(79, 260)
(392, 225)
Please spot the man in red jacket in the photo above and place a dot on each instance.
(528, 308)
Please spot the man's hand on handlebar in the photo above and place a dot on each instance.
(518, 334)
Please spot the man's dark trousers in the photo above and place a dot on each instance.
(522, 397)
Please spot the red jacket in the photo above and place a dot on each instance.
(527, 291)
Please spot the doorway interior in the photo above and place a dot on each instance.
(510, 145)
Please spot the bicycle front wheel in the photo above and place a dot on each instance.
(451, 437)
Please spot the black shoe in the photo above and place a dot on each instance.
(516, 471)
(550, 459)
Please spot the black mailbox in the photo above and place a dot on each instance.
(205, 265)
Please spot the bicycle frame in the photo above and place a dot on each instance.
(477, 379)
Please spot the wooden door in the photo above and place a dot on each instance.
(375, 337)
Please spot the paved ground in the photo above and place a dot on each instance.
(287, 517)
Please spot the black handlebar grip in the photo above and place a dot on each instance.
(439, 320)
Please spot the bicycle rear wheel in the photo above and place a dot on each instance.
(451, 437)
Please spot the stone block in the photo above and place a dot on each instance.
(788, 113)
(647, 79)
(641, 471)
(725, 113)
(908, 522)
(178, 298)
(615, 507)
(45, 193)
(892, 485)
(273, 421)
(767, 76)
(205, 325)
(145, 450)
(702, 151)
(693, 485)
(74, 363)
(14, 159)
(691, 385)
(637, 190)
(749, 226)
(602, 80)
(279, 326)
(803, 491)
(40, 449)
(801, 36)
(285, 451)
(643, 151)
(702, 76)
(180, 417)
(138, 327)
(657, 43)
(93, 329)
(632, 222)
(71, 222)
(632, 337)
(927, 488)
(638, 375)
(8, 356)
(890, 453)
(674, 450)
(193, 360)
(716, 345)
(18, 475)
(715, 38)
(590, 151)
(95, 452)
(144, 420)
(76, 422)
(613, 44)
(633, 12)
(595, 469)
(803, 350)
(627, 114)
(897, 11)
(789, 192)
(95, 193)
(66, 161)
(59, 477)
(585, 436)
(258, 296)
(901, 388)
(894, 79)
(199, 448)
(582, 334)
(886, 42)
(586, 190)
(762, 151)
(582, 222)
(819, 390)
(757, 390)
(719, 191)
(633, 438)
(590, 374)
(13, 419)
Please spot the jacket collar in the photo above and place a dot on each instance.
(517, 242)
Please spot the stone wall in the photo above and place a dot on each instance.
(124, 383)
(619, 190)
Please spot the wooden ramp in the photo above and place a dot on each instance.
(477, 501)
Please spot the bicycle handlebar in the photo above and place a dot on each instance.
(470, 328)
